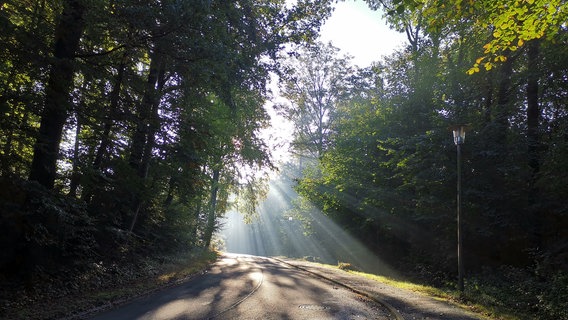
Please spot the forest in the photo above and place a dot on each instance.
(129, 128)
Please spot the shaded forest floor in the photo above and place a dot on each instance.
(62, 296)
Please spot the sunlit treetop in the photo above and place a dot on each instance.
(512, 23)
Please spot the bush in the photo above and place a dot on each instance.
(553, 297)
(520, 291)
(42, 229)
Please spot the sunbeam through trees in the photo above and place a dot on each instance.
(131, 132)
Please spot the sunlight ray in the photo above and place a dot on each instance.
(277, 232)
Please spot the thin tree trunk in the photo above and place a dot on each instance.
(112, 110)
(196, 224)
(135, 216)
(212, 208)
(497, 147)
(153, 123)
(488, 99)
(458, 94)
(8, 146)
(74, 184)
(102, 151)
(146, 108)
(171, 187)
(55, 112)
(7, 149)
(501, 113)
(533, 141)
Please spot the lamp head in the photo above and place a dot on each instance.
(459, 133)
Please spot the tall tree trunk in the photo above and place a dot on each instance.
(456, 72)
(9, 130)
(533, 141)
(112, 110)
(7, 148)
(153, 122)
(488, 102)
(533, 112)
(493, 161)
(171, 188)
(101, 154)
(55, 111)
(145, 113)
(501, 112)
(143, 140)
(212, 208)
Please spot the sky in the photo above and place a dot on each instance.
(357, 31)
(361, 32)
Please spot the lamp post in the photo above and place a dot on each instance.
(290, 236)
(459, 138)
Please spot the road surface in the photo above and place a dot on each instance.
(250, 287)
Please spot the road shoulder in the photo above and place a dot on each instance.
(408, 304)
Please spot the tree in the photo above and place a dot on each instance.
(315, 83)
(68, 32)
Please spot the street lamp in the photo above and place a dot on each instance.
(459, 139)
(289, 244)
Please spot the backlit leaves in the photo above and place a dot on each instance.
(510, 23)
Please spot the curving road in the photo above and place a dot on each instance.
(250, 287)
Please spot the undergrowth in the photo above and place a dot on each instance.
(105, 284)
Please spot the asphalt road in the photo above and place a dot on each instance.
(250, 287)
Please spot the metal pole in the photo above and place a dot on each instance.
(460, 252)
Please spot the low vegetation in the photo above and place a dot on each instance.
(511, 294)
(101, 286)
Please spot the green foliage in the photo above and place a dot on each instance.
(132, 107)
(512, 24)
(389, 173)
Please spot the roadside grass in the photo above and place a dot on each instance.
(475, 301)
(153, 276)
(478, 298)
